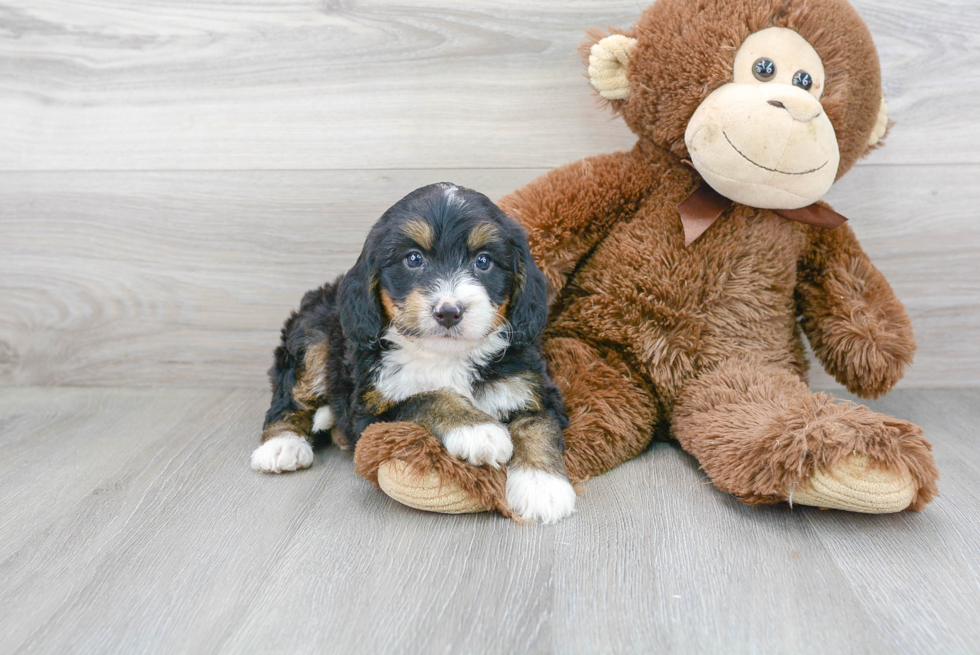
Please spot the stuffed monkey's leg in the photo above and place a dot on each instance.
(430, 457)
(761, 435)
(611, 413)
(411, 466)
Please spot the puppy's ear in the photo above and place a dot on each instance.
(529, 300)
(357, 298)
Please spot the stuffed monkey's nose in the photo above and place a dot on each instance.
(802, 106)
(448, 314)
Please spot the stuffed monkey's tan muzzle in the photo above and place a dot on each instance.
(769, 146)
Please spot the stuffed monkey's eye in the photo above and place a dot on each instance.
(483, 262)
(764, 69)
(414, 260)
(803, 80)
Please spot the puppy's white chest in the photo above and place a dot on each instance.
(407, 370)
(403, 374)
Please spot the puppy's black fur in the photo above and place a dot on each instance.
(375, 344)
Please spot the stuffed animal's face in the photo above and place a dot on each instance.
(772, 100)
(764, 139)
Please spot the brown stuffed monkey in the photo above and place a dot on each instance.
(685, 272)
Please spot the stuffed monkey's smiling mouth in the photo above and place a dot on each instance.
(766, 168)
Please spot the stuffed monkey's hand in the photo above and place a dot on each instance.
(857, 326)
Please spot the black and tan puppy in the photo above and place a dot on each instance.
(439, 323)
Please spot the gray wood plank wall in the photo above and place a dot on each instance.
(174, 175)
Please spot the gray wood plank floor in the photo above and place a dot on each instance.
(129, 522)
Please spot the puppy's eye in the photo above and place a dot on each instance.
(803, 80)
(414, 260)
(483, 262)
(764, 69)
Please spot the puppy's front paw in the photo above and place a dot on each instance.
(484, 443)
(539, 496)
(285, 453)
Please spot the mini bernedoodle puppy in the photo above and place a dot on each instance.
(439, 323)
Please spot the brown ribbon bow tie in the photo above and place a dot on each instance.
(705, 205)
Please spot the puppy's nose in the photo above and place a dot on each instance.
(448, 314)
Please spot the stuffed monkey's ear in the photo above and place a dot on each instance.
(881, 126)
(357, 298)
(529, 301)
(608, 61)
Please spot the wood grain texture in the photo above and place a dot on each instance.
(171, 278)
(156, 537)
(185, 278)
(173, 176)
(308, 84)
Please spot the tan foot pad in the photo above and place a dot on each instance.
(425, 491)
(856, 486)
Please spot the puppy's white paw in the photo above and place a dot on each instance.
(539, 496)
(484, 443)
(285, 453)
(324, 419)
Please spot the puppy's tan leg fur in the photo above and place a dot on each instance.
(285, 445)
(537, 444)
(761, 435)
(311, 390)
(292, 423)
(537, 488)
(465, 431)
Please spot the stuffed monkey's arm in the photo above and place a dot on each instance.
(567, 211)
(857, 326)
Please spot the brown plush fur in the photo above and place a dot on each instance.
(856, 326)
(646, 332)
(759, 432)
(604, 397)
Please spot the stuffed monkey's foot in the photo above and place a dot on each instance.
(410, 465)
(761, 435)
(425, 490)
(854, 484)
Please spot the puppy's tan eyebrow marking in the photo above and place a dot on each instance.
(481, 235)
(420, 232)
